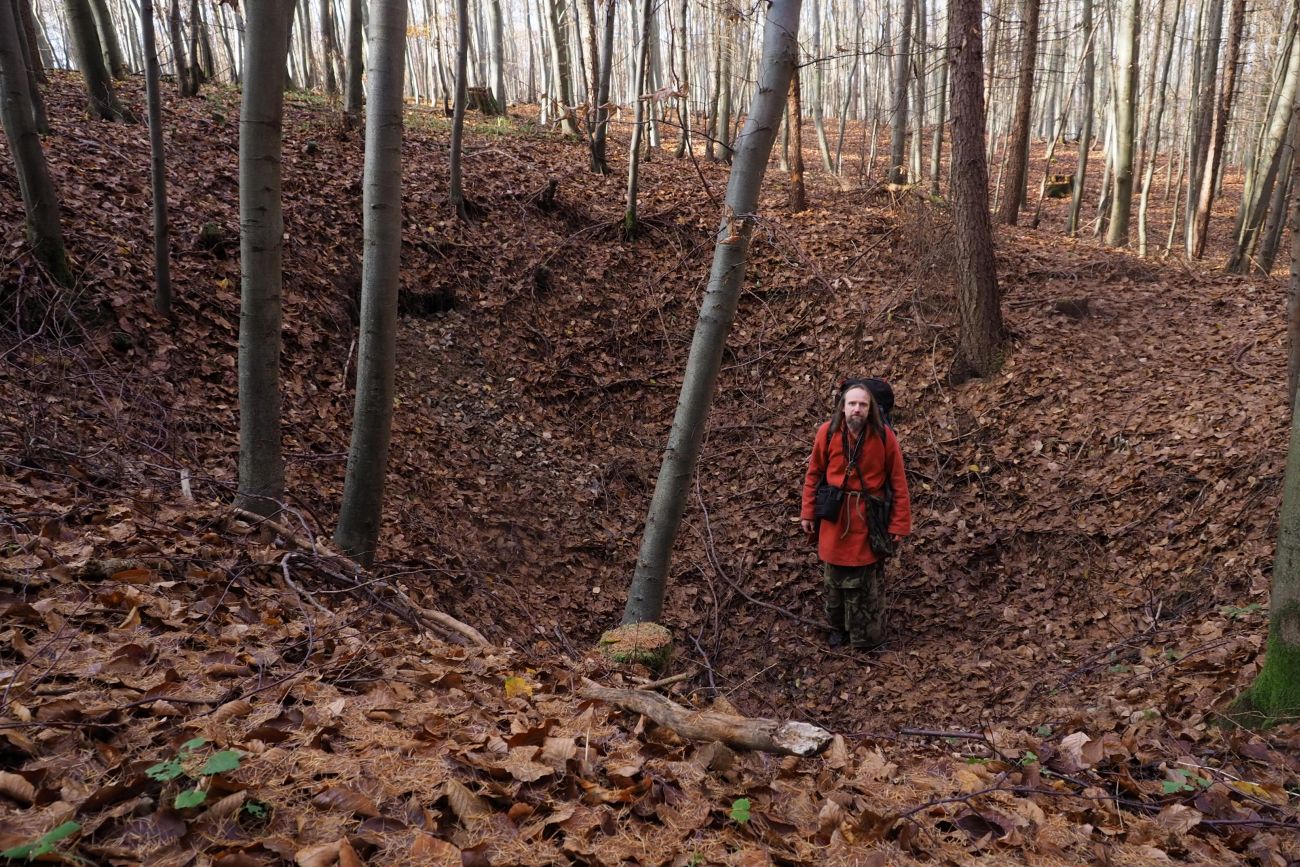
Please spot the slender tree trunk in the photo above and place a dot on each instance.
(1126, 60)
(819, 91)
(1203, 112)
(936, 143)
(1278, 212)
(261, 245)
(1018, 162)
(108, 40)
(727, 49)
(457, 194)
(980, 346)
(599, 163)
(162, 296)
(683, 82)
(496, 24)
(372, 421)
(330, 54)
(40, 199)
(633, 158)
(1155, 123)
(898, 110)
(1085, 129)
(195, 70)
(352, 87)
(561, 68)
(29, 55)
(794, 119)
(1213, 154)
(718, 309)
(90, 59)
(41, 56)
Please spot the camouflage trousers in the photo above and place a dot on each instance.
(855, 602)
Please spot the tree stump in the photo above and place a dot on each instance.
(481, 98)
(649, 644)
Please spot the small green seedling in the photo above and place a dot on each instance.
(44, 845)
(740, 810)
(1029, 758)
(218, 763)
(1185, 783)
(1234, 612)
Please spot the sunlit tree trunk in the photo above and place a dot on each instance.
(1018, 149)
(980, 346)
(717, 310)
(599, 163)
(794, 119)
(1215, 144)
(561, 69)
(352, 94)
(819, 90)
(456, 192)
(1125, 96)
(638, 127)
(40, 199)
(261, 244)
(1151, 151)
(180, 64)
(683, 82)
(1085, 129)
(372, 420)
(496, 23)
(108, 38)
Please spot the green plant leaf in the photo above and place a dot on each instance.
(257, 809)
(1172, 786)
(193, 744)
(219, 763)
(44, 844)
(164, 771)
(190, 798)
(740, 810)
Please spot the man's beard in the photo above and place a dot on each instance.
(856, 423)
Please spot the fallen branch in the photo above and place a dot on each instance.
(748, 733)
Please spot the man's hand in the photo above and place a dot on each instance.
(808, 526)
(896, 539)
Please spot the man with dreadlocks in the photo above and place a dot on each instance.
(858, 454)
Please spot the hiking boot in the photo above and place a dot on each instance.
(837, 638)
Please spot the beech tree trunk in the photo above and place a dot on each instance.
(31, 67)
(1125, 98)
(108, 38)
(717, 310)
(90, 59)
(1086, 108)
(683, 83)
(40, 199)
(182, 68)
(599, 163)
(638, 125)
(898, 112)
(561, 68)
(355, 65)
(1215, 144)
(980, 345)
(372, 421)
(496, 23)
(162, 296)
(261, 245)
(1018, 149)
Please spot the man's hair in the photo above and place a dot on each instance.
(875, 421)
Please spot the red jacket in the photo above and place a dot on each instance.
(844, 542)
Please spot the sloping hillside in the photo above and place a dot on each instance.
(1087, 581)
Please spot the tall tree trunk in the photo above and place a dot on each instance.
(90, 58)
(30, 61)
(794, 118)
(1126, 60)
(196, 70)
(1278, 212)
(1203, 112)
(638, 126)
(599, 164)
(941, 109)
(819, 91)
(40, 199)
(261, 246)
(456, 192)
(372, 421)
(1275, 693)
(1086, 108)
(41, 55)
(898, 110)
(1151, 150)
(717, 310)
(184, 82)
(330, 39)
(1018, 153)
(162, 296)
(1213, 154)
(722, 125)
(561, 68)
(108, 40)
(683, 82)
(980, 347)
(496, 25)
(352, 91)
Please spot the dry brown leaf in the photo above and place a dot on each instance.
(131, 620)
(320, 855)
(465, 804)
(226, 807)
(17, 788)
(1179, 818)
(231, 709)
(348, 856)
(346, 800)
(429, 849)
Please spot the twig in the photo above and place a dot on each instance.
(284, 570)
(665, 681)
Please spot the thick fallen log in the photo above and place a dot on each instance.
(747, 733)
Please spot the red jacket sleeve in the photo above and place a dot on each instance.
(816, 466)
(900, 518)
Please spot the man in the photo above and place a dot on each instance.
(858, 453)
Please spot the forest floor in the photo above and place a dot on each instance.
(1086, 586)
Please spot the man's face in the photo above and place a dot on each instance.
(857, 406)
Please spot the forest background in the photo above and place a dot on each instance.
(1094, 413)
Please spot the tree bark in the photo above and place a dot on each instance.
(727, 51)
(599, 163)
(162, 297)
(1203, 111)
(372, 421)
(40, 199)
(683, 83)
(352, 91)
(496, 24)
(261, 245)
(980, 346)
(638, 126)
(1018, 151)
(1125, 97)
(561, 69)
(90, 59)
(898, 110)
(794, 119)
(1215, 145)
(31, 63)
(196, 69)
(717, 310)
(41, 56)
(456, 192)
(179, 62)
(1085, 130)
(108, 38)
